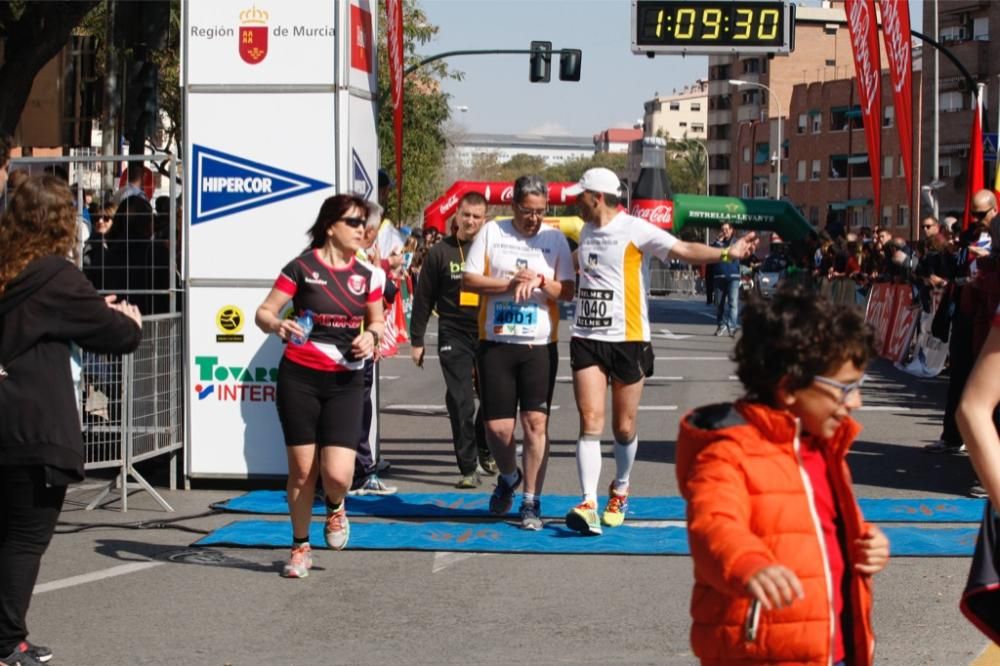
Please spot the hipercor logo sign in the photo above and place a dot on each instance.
(226, 184)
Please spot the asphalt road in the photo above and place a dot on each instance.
(118, 595)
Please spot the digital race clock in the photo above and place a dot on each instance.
(712, 26)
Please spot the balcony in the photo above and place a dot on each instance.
(718, 176)
(720, 117)
(719, 87)
(974, 54)
(720, 147)
(748, 112)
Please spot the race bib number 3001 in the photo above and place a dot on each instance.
(515, 319)
(595, 308)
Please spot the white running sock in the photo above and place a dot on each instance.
(588, 465)
(624, 459)
(528, 498)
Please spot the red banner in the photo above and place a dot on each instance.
(863, 26)
(893, 316)
(896, 33)
(977, 179)
(394, 31)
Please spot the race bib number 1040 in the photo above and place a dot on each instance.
(594, 308)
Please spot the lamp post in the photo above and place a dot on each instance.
(753, 84)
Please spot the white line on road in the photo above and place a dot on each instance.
(657, 408)
(86, 486)
(389, 377)
(95, 576)
(883, 409)
(663, 378)
(444, 559)
(432, 408)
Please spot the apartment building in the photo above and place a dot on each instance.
(682, 113)
(742, 120)
(969, 30)
(829, 176)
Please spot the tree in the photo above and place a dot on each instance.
(425, 115)
(33, 33)
(686, 165)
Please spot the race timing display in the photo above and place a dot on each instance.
(704, 27)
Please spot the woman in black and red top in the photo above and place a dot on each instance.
(320, 389)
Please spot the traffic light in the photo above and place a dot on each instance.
(141, 105)
(569, 64)
(541, 62)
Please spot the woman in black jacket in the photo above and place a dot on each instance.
(46, 304)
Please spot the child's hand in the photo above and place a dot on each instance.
(775, 587)
(873, 551)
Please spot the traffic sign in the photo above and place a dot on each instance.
(990, 146)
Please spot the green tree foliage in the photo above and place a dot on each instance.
(686, 165)
(425, 114)
(33, 33)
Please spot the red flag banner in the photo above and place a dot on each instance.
(394, 32)
(862, 24)
(977, 178)
(896, 33)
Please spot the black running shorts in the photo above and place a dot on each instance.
(512, 376)
(318, 406)
(625, 362)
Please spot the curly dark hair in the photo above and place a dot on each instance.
(6, 143)
(40, 220)
(332, 210)
(797, 335)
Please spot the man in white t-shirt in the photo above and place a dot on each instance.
(522, 268)
(611, 333)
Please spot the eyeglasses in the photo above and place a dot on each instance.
(980, 214)
(353, 222)
(845, 389)
(529, 212)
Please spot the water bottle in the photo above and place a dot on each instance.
(305, 321)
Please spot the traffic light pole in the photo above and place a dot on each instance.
(448, 54)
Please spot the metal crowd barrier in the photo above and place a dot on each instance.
(666, 280)
(131, 408)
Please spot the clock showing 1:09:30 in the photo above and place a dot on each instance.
(663, 26)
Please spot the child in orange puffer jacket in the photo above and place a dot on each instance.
(782, 556)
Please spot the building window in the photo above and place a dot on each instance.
(697, 128)
(803, 121)
(675, 106)
(746, 154)
(800, 174)
(903, 216)
(902, 167)
(696, 106)
(751, 66)
(750, 96)
(719, 162)
(886, 216)
(745, 190)
(857, 164)
(981, 28)
(760, 187)
(953, 33)
(817, 123)
(721, 132)
(888, 116)
(722, 72)
(887, 167)
(816, 171)
(843, 117)
(952, 101)
(762, 153)
(946, 167)
(682, 124)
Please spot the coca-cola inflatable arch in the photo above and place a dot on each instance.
(437, 214)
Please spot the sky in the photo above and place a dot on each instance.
(614, 82)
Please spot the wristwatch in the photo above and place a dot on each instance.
(541, 281)
(724, 257)
(375, 336)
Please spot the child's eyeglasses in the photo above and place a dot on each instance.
(845, 389)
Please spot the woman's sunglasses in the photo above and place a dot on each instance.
(353, 222)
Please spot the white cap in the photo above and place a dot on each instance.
(597, 179)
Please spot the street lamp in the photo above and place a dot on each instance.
(753, 84)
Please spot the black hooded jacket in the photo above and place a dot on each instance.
(45, 308)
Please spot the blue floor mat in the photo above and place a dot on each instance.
(503, 537)
(474, 505)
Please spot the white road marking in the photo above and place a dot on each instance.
(706, 314)
(657, 408)
(388, 377)
(432, 408)
(881, 408)
(86, 486)
(660, 378)
(444, 559)
(665, 333)
(95, 576)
